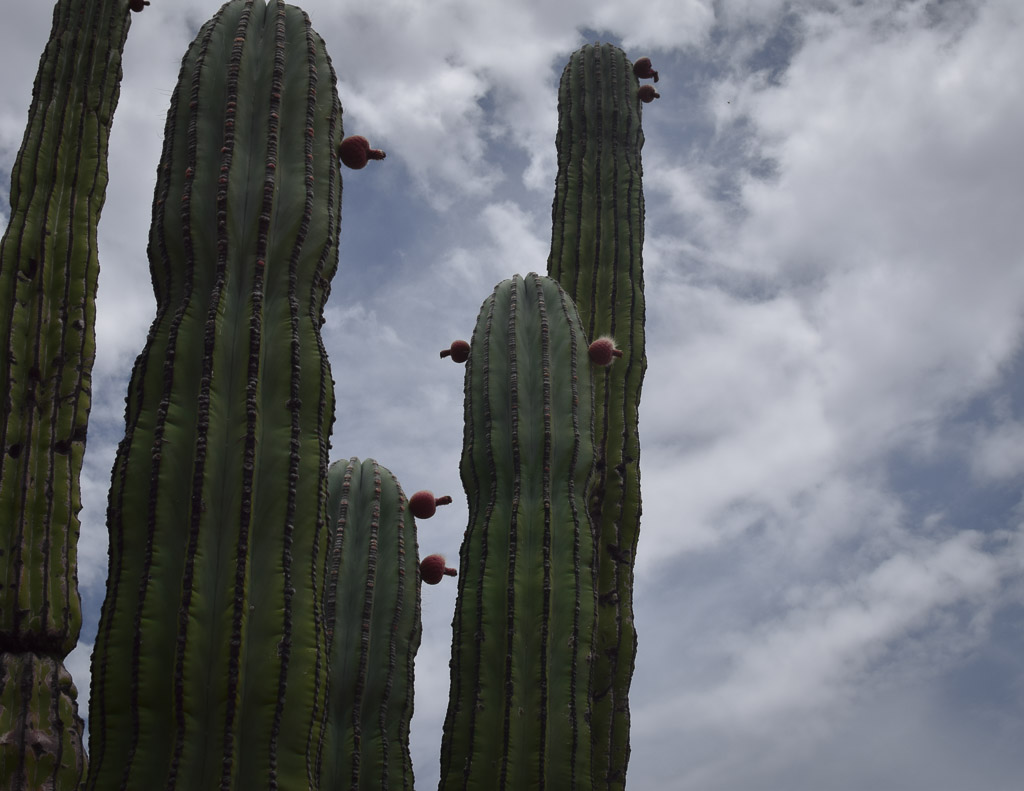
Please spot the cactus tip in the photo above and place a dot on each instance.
(642, 69)
(433, 569)
(647, 93)
(355, 152)
(423, 504)
(458, 351)
(603, 351)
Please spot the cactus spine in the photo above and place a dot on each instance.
(526, 606)
(596, 247)
(373, 626)
(209, 665)
(48, 277)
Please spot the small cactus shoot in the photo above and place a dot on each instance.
(603, 351)
(434, 568)
(458, 351)
(642, 69)
(647, 94)
(355, 152)
(423, 504)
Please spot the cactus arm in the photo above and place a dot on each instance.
(524, 618)
(596, 254)
(374, 627)
(48, 277)
(216, 513)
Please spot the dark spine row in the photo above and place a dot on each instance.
(526, 607)
(216, 512)
(597, 241)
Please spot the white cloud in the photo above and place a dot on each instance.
(92, 543)
(874, 135)
(663, 24)
(512, 246)
(886, 230)
(786, 684)
(998, 452)
(77, 664)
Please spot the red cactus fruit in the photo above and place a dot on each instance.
(603, 351)
(647, 93)
(458, 351)
(423, 504)
(355, 152)
(137, 5)
(433, 569)
(642, 69)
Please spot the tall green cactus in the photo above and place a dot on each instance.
(596, 247)
(48, 277)
(373, 626)
(209, 669)
(524, 621)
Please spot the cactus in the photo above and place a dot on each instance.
(262, 613)
(597, 238)
(373, 624)
(209, 664)
(48, 276)
(524, 619)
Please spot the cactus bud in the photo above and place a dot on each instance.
(137, 5)
(423, 504)
(458, 351)
(433, 569)
(647, 94)
(355, 152)
(642, 69)
(603, 351)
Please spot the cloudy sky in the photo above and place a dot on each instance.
(829, 584)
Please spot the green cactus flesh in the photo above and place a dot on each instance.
(48, 276)
(373, 624)
(39, 718)
(596, 246)
(209, 666)
(524, 620)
